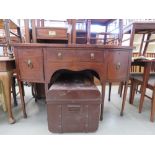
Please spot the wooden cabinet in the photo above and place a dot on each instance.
(37, 62)
(30, 64)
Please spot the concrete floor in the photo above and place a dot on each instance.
(113, 124)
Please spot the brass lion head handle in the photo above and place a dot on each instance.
(118, 66)
(29, 64)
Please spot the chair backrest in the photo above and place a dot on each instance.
(111, 32)
(10, 33)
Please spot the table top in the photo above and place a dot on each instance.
(71, 46)
(141, 27)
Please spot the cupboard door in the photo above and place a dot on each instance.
(118, 65)
(31, 64)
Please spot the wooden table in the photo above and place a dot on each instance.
(6, 67)
(38, 62)
(147, 64)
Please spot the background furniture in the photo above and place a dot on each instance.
(10, 34)
(84, 34)
(147, 30)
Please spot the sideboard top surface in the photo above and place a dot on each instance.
(71, 46)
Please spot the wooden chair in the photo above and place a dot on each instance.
(151, 86)
(146, 29)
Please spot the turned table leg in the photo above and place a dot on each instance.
(5, 77)
(124, 98)
(22, 97)
(103, 96)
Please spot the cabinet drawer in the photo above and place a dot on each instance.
(118, 65)
(31, 64)
(74, 55)
(51, 33)
(90, 56)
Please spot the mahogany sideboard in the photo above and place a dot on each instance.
(38, 62)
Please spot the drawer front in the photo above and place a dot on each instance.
(118, 65)
(58, 55)
(90, 56)
(51, 33)
(31, 64)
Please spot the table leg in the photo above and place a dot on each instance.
(14, 91)
(22, 98)
(124, 98)
(110, 85)
(103, 96)
(6, 80)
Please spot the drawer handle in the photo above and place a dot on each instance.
(118, 66)
(73, 107)
(60, 55)
(29, 63)
(92, 56)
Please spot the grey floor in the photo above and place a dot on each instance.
(113, 124)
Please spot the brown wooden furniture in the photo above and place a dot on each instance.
(38, 62)
(146, 29)
(48, 34)
(144, 82)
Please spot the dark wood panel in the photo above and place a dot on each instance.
(118, 64)
(52, 33)
(30, 63)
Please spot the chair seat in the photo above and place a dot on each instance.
(138, 76)
(139, 79)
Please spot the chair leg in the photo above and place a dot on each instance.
(153, 106)
(14, 91)
(110, 84)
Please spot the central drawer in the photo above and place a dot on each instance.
(58, 55)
